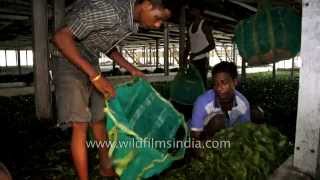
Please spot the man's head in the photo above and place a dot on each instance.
(224, 76)
(196, 14)
(151, 13)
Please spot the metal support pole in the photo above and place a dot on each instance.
(144, 55)
(154, 56)
(173, 54)
(170, 56)
(166, 49)
(41, 59)
(243, 71)
(150, 54)
(225, 52)
(292, 68)
(5, 57)
(274, 71)
(27, 58)
(234, 52)
(182, 36)
(236, 55)
(157, 53)
(133, 55)
(19, 61)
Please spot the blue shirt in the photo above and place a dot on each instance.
(207, 107)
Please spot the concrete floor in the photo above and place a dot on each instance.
(287, 172)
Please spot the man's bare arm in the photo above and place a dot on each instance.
(187, 50)
(64, 41)
(122, 62)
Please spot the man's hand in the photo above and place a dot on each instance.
(215, 124)
(104, 86)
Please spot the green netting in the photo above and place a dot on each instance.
(186, 86)
(271, 35)
(139, 122)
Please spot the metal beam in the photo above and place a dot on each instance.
(15, 11)
(218, 15)
(244, 5)
(4, 25)
(17, 2)
(154, 35)
(115, 80)
(14, 17)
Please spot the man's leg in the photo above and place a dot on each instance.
(72, 100)
(79, 149)
(100, 135)
(202, 66)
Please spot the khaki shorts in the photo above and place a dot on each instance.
(77, 100)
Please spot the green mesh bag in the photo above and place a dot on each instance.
(187, 86)
(271, 35)
(139, 120)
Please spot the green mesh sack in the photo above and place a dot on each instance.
(271, 35)
(139, 122)
(187, 86)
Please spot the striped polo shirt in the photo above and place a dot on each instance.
(206, 107)
(98, 25)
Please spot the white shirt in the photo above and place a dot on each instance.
(198, 41)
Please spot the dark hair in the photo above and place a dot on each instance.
(226, 67)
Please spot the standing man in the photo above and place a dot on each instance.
(200, 42)
(92, 27)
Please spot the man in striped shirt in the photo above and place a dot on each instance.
(92, 27)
